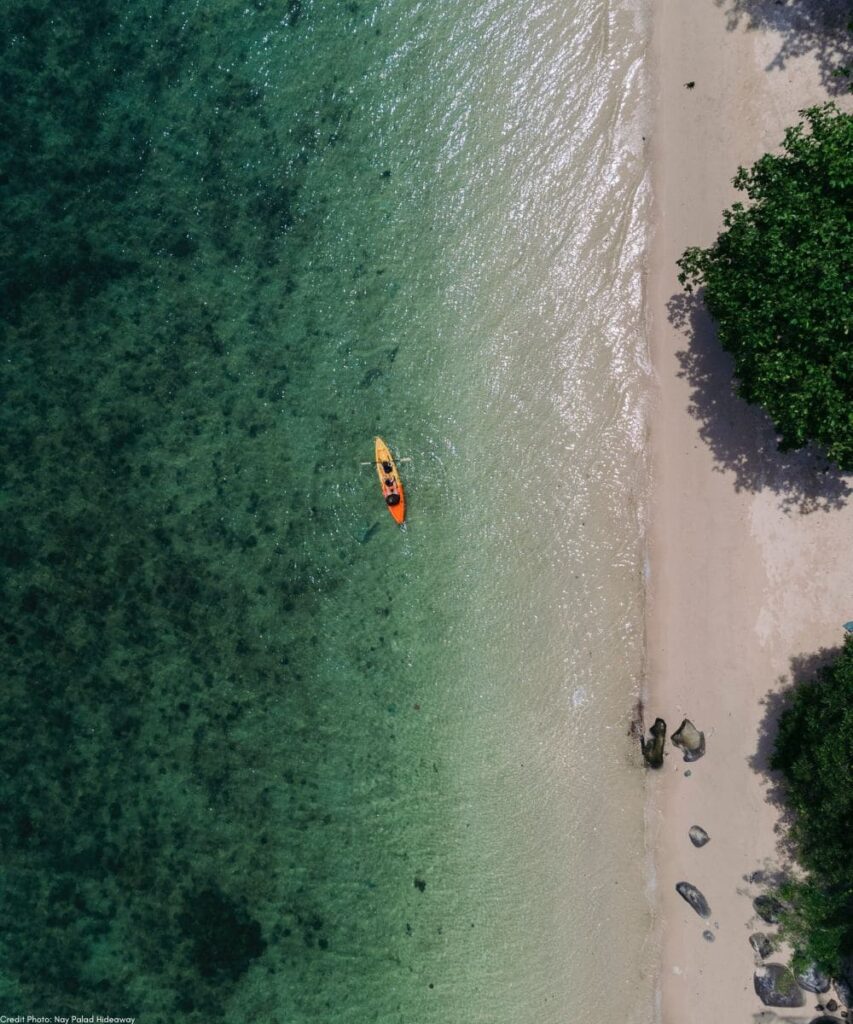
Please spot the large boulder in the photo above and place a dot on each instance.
(653, 748)
(768, 908)
(695, 898)
(844, 983)
(761, 944)
(698, 835)
(776, 986)
(844, 991)
(813, 980)
(688, 739)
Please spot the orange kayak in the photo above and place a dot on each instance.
(389, 478)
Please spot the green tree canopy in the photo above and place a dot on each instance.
(778, 283)
(814, 751)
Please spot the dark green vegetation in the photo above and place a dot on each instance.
(778, 283)
(180, 796)
(814, 750)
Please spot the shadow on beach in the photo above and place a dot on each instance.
(804, 668)
(741, 436)
(805, 27)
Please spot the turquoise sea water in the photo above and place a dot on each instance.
(266, 756)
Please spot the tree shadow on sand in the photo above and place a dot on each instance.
(818, 27)
(804, 668)
(741, 437)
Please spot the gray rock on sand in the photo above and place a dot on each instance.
(768, 908)
(653, 749)
(688, 739)
(813, 980)
(825, 1020)
(708, 935)
(776, 986)
(695, 898)
(698, 835)
(761, 944)
(832, 1006)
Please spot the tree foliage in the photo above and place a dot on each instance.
(814, 751)
(778, 283)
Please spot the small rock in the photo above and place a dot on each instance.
(761, 944)
(695, 898)
(690, 740)
(776, 986)
(708, 935)
(368, 533)
(768, 908)
(813, 980)
(755, 877)
(698, 835)
(687, 774)
(832, 1006)
(653, 749)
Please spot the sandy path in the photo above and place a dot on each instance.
(750, 558)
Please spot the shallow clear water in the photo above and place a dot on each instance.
(266, 756)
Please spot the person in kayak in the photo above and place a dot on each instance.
(387, 467)
(392, 499)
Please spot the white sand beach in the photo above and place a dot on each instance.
(750, 554)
